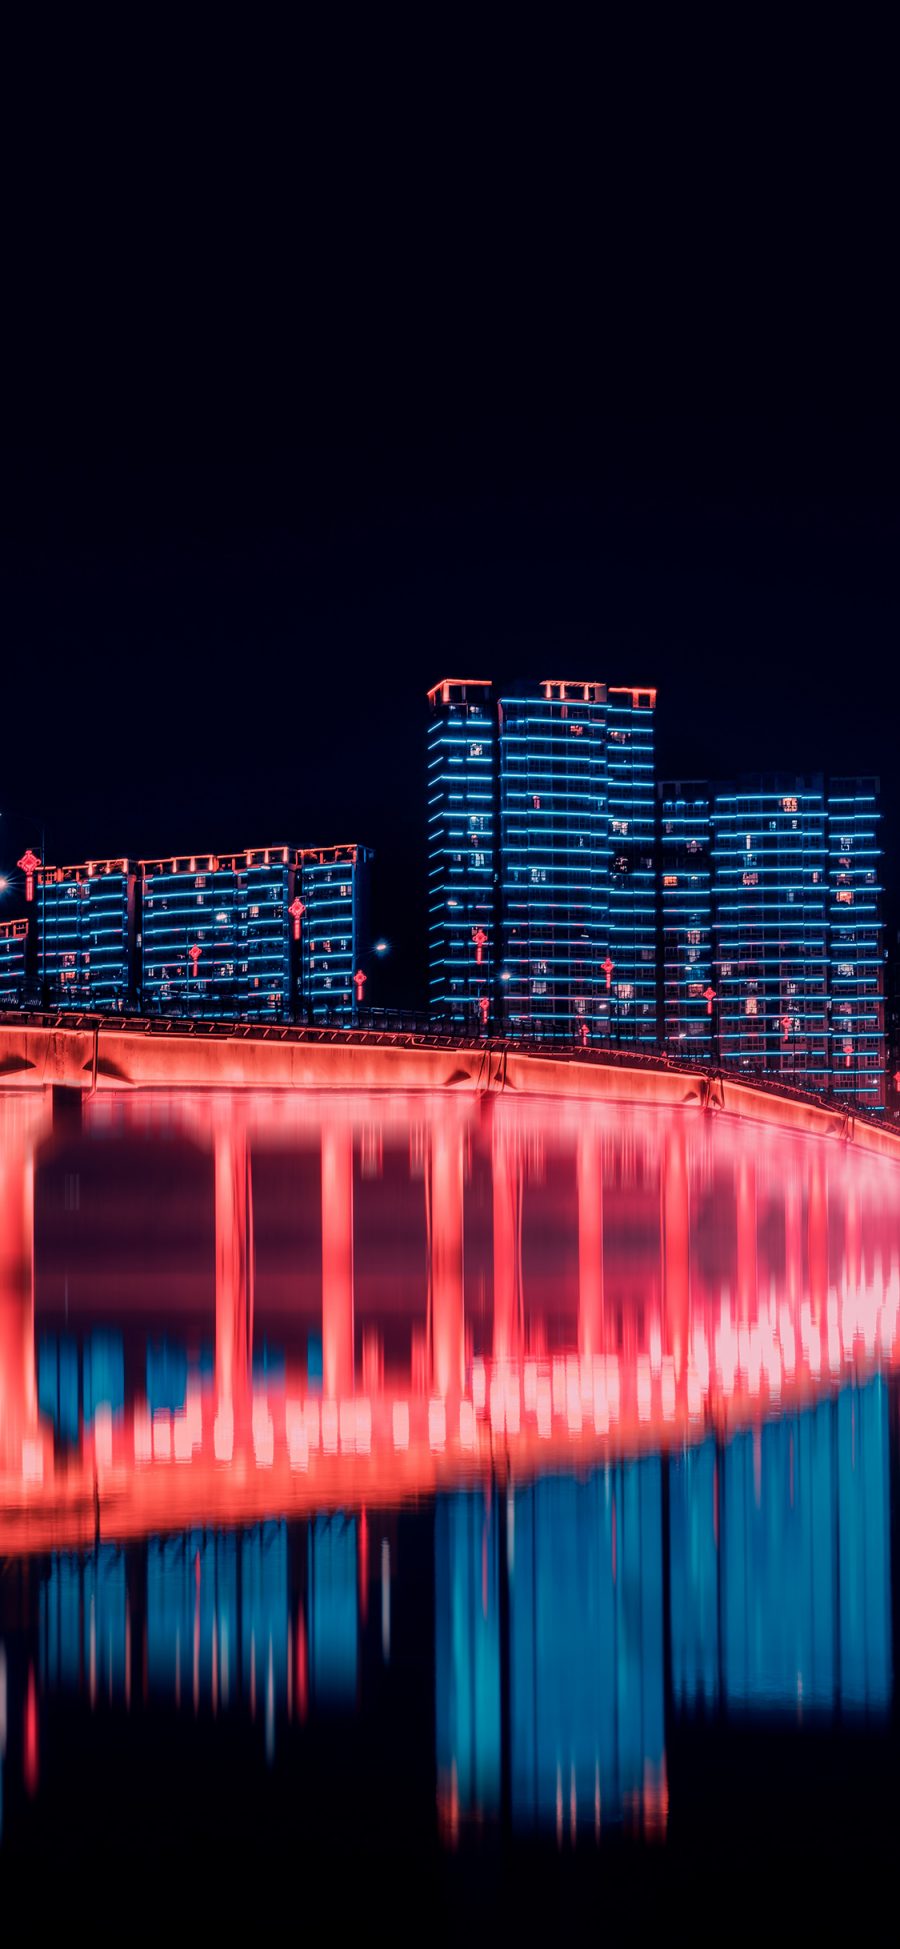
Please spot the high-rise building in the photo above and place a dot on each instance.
(542, 888)
(856, 942)
(631, 795)
(771, 919)
(462, 784)
(193, 934)
(686, 918)
(334, 890)
(266, 934)
(13, 947)
(84, 921)
(554, 883)
(770, 866)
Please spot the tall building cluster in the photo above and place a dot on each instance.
(269, 934)
(572, 898)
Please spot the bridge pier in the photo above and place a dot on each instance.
(234, 1263)
(506, 1172)
(445, 1238)
(675, 1229)
(337, 1260)
(589, 1176)
(745, 1196)
(18, 1377)
(817, 1224)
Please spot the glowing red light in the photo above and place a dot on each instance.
(483, 1007)
(608, 966)
(480, 938)
(194, 954)
(296, 911)
(359, 982)
(29, 863)
(709, 996)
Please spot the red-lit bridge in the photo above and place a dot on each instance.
(697, 1351)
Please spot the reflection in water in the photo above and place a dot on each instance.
(780, 1552)
(625, 1373)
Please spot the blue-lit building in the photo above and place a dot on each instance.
(770, 898)
(542, 887)
(84, 923)
(334, 890)
(13, 950)
(770, 867)
(856, 942)
(195, 914)
(686, 919)
(631, 797)
(554, 885)
(265, 935)
(462, 867)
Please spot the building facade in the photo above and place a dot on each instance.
(686, 919)
(771, 923)
(13, 950)
(462, 861)
(856, 942)
(334, 931)
(216, 934)
(770, 867)
(275, 933)
(542, 871)
(84, 927)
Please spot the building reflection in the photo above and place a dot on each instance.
(780, 1554)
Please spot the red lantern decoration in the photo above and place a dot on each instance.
(194, 954)
(709, 996)
(483, 1006)
(480, 938)
(607, 967)
(296, 910)
(583, 1033)
(29, 863)
(359, 982)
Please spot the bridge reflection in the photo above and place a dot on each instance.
(351, 1301)
(629, 1369)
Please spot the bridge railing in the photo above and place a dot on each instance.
(412, 1030)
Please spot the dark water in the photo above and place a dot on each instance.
(438, 1520)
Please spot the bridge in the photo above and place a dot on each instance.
(697, 1352)
(94, 1052)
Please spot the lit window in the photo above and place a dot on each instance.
(751, 879)
(788, 805)
(476, 750)
(845, 895)
(750, 1005)
(670, 879)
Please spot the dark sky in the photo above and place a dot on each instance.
(333, 370)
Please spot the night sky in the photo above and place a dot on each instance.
(330, 371)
